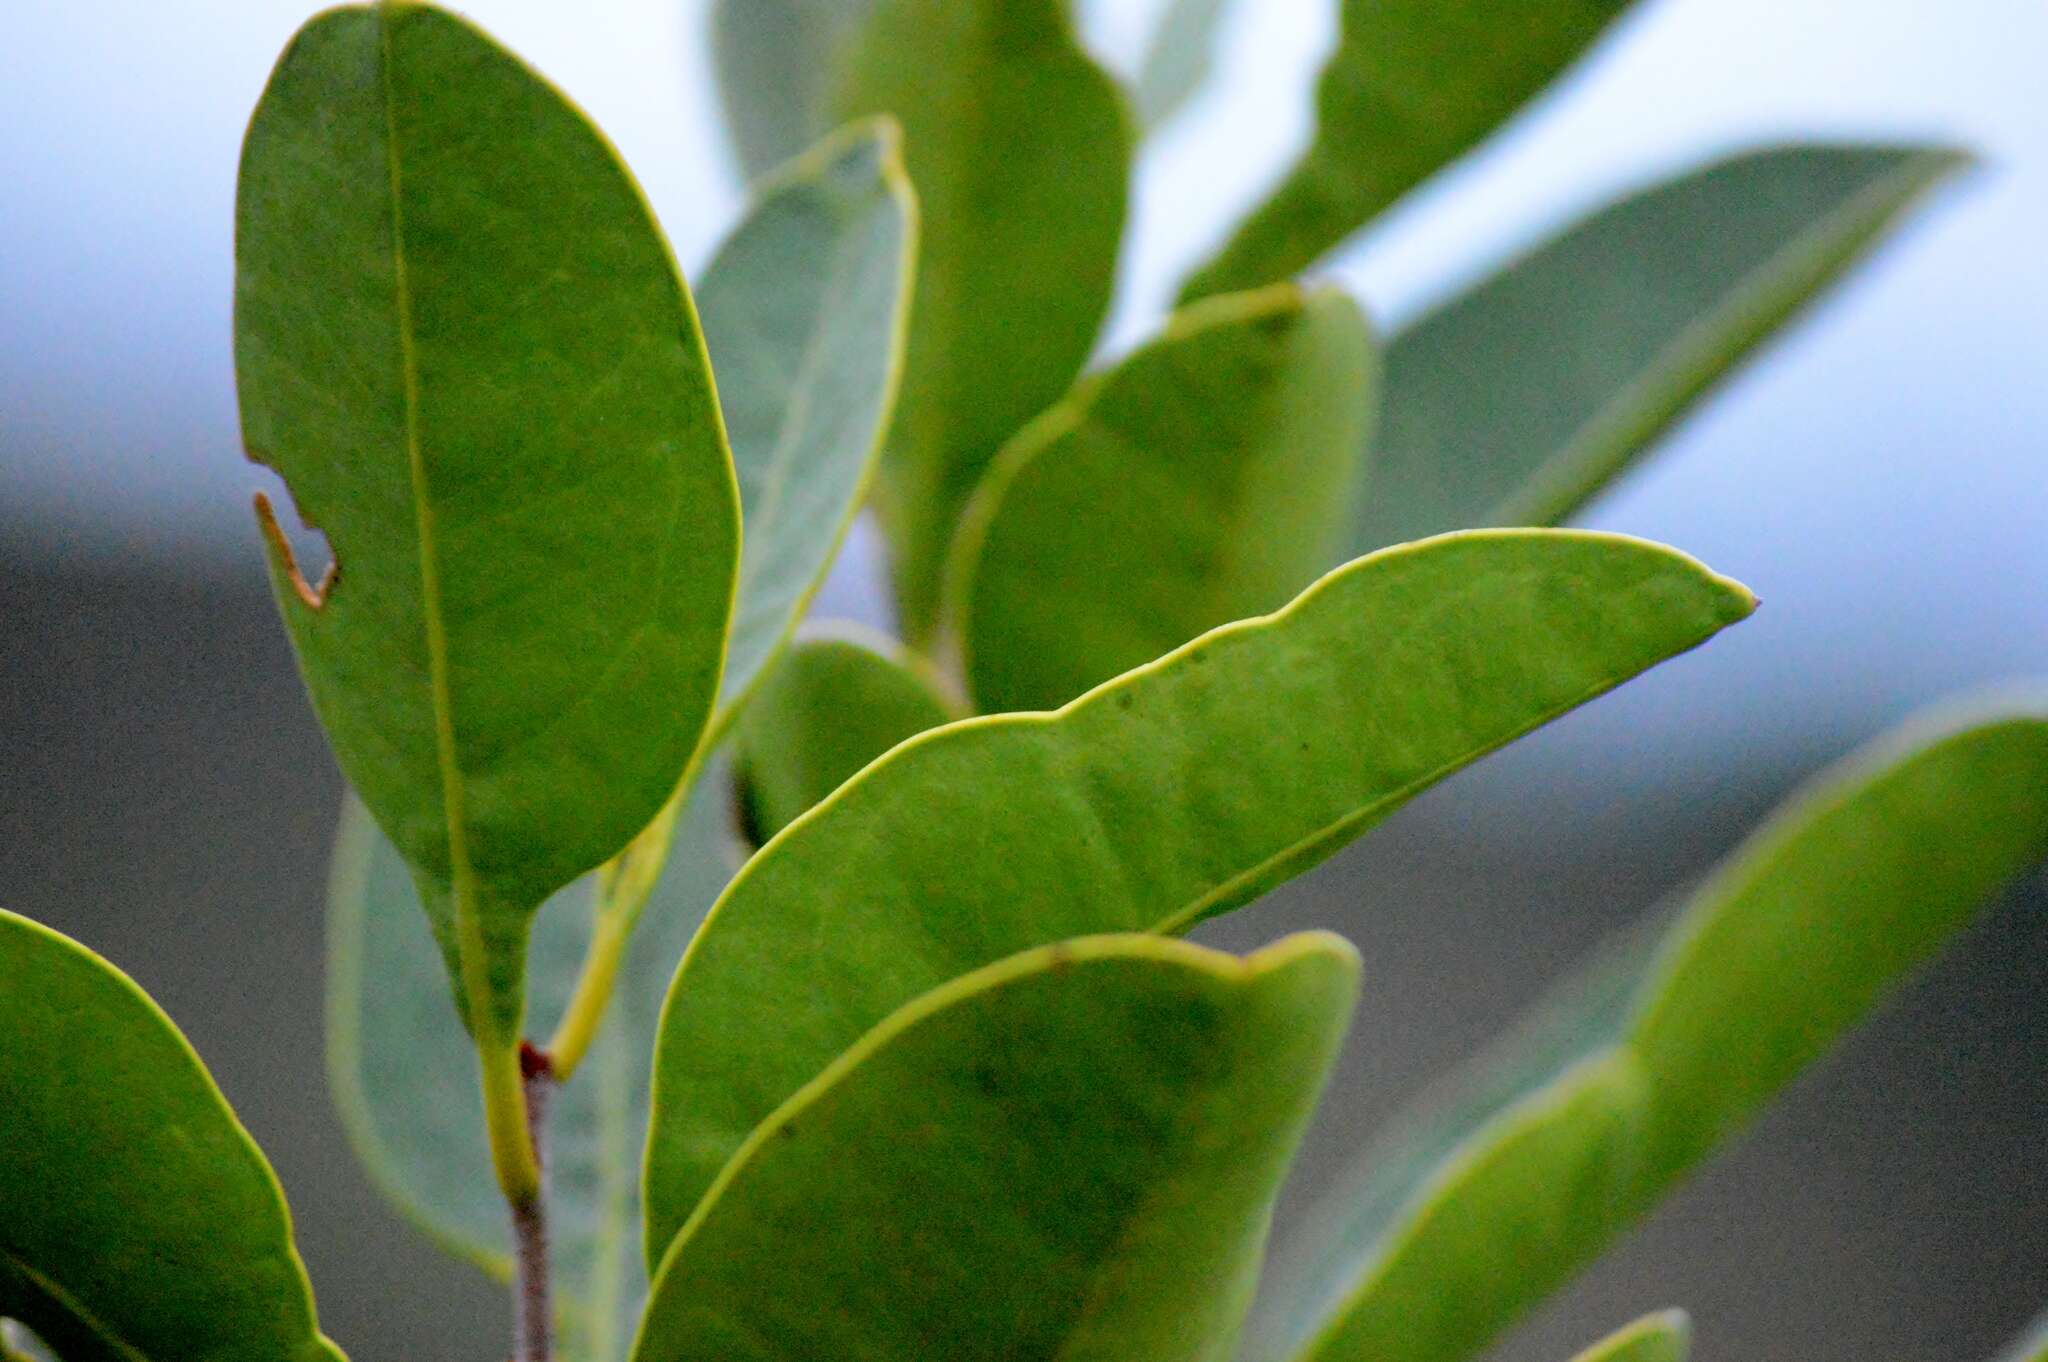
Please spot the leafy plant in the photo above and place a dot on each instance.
(872, 947)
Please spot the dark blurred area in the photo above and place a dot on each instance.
(1877, 477)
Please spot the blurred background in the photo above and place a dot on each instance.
(1877, 476)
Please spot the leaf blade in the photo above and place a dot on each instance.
(482, 377)
(1178, 58)
(1640, 307)
(965, 1172)
(1358, 1283)
(400, 1073)
(1410, 87)
(1143, 511)
(137, 1217)
(1662, 1337)
(1224, 768)
(1020, 147)
(804, 310)
(834, 703)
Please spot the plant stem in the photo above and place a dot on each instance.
(506, 1123)
(610, 927)
(623, 886)
(532, 1309)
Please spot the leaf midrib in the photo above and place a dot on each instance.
(73, 1307)
(461, 876)
(1551, 493)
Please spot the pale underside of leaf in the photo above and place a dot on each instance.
(1178, 59)
(805, 308)
(774, 61)
(1411, 86)
(1520, 400)
(1583, 1119)
(1662, 1337)
(402, 1077)
(1020, 148)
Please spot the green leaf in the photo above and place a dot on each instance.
(1178, 58)
(1480, 1204)
(1662, 1337)
(1020, 149)
(805, 308)
(460, 338)
(138, 1220)
(404, 1081)
(1187, 788)
(775, 62)
(1411, 86)
(1072, 1153)
(1204, 479)
(1517, 402)
(833, 704)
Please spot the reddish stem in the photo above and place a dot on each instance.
(532, 1311)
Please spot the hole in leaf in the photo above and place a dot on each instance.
(301, 544)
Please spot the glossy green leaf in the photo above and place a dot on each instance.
(834, 703)
(1204, 479)
(1662, 1337)
(1411, 86)
(1178, 58)
(805, 308)
(1070, 1154)
(460, 338)
(138, 1220)
(1517, 402)
(405, 1082)
(1481, 1203)
(1182, 790)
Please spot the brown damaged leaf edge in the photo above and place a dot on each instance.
(288, 561)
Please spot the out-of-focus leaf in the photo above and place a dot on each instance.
(805, 308)
(405, 1082)
(1071, 1153)
(1204, 479)
(1517, 402)
(2031, 1346)
(1411, 86)
(1184, 789)
(1662, 1337)
(1178, 58)
(1479, 1205)
(138, 1220)
(832, 704)
(1020, 149)
(775, 61)
(461, 339)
